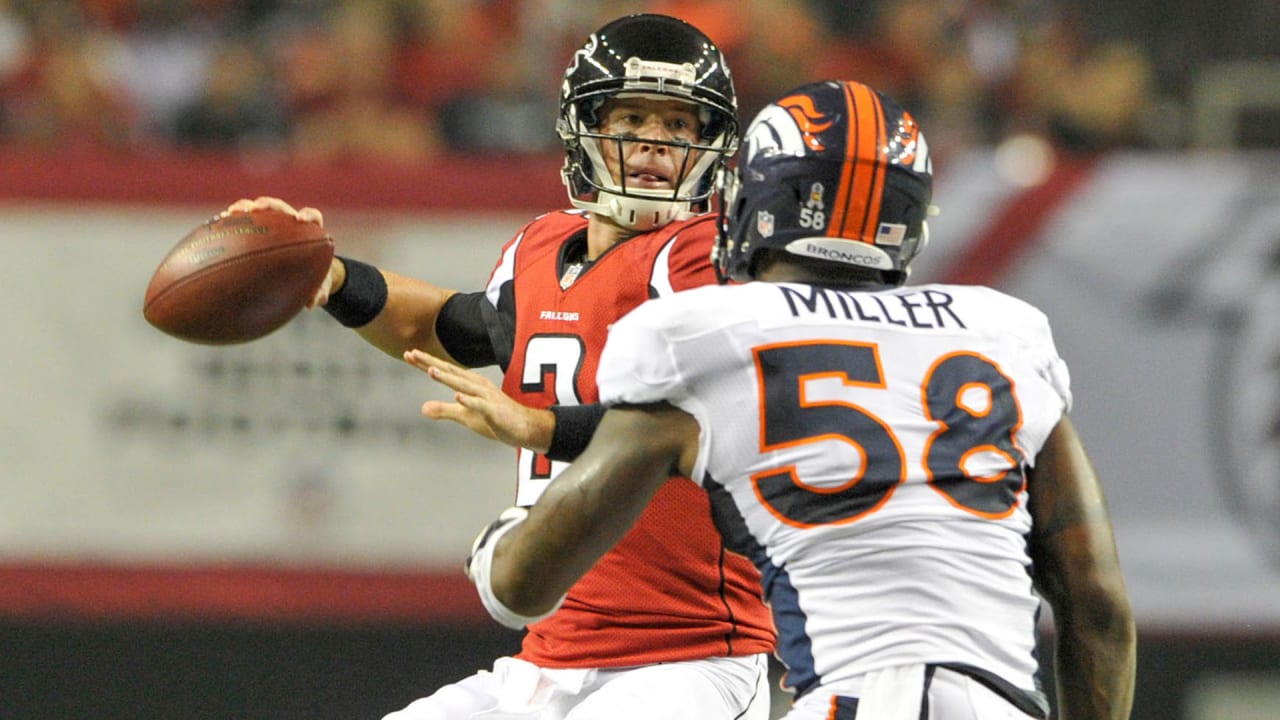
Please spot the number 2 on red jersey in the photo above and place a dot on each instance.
(552, 363)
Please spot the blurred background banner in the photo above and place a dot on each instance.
(125, 446)
(272, 530)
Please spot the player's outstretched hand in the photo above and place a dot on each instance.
(482, 406)
(337, 271)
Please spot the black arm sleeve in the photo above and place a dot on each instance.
(575, 424)
(463, 329)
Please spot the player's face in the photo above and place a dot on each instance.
(648, 165)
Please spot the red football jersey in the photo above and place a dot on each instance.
(669, 590)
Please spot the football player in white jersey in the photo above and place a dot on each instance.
(897, 460)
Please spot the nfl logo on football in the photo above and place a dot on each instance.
(764, 223)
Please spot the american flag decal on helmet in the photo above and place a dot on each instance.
(891, 234)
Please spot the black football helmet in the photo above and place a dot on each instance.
(835, 171)
(646, 55)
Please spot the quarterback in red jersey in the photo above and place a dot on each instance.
(670, 624)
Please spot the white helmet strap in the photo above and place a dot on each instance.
(640, 208)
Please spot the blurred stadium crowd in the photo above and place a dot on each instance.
(405, 80)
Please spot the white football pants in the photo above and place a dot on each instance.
(734, 688)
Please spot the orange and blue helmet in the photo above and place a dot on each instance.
(835, 171)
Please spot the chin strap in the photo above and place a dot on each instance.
(479, 567)
(635, 213)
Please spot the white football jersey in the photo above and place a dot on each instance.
(866, 451)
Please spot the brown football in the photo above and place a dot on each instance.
(238, 278)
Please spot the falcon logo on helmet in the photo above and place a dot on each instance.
(653, 56)
(868, 157)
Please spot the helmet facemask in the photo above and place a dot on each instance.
(641, 208)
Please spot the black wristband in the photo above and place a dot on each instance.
(362, 296)
(575, 424)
